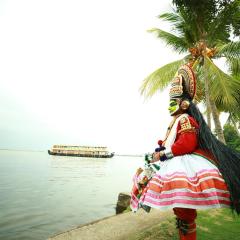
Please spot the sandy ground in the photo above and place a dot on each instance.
(117, 227)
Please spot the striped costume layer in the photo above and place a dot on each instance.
(187, 181)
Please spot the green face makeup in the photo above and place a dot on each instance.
(173, 106)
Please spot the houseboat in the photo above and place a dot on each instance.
(80, 151)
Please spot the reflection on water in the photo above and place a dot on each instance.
(41, 195)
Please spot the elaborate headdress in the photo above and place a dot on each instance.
(184, 83)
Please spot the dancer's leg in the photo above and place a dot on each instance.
(186, 223)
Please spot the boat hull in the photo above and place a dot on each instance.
(81, 155)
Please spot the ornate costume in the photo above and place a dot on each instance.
(189, 177)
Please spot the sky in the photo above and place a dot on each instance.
(70, 73)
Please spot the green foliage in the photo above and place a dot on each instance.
(178, 44)
(232, 137)
(224, 89)
(236, 18)
(230, 50)
(218, 17)
(182, 26)
(160, 78)
(205, 30)
(197, 6)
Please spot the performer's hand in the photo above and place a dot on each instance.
(157, 156)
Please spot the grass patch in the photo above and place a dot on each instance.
(127, 210)
(218, 224)
(215, 224)
(164, 230)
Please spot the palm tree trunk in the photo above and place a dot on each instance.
(208, 105)
(209, 118)
(218, 127)
(212, 109)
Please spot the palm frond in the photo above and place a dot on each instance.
(234, 114)
(188, 27)
(219, 27)
(224, 89)
(160, 78)
(234, 66)
(229, 50)
(234, 117)
(181, 25)
(177, 43)
(171, 17)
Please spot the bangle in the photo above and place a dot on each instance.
(169, 154)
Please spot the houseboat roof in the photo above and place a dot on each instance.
(76, 146)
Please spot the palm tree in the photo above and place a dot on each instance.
(203, 41)
(234, 116)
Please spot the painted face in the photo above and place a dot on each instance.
(173, 106)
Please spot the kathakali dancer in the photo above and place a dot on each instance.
(197, 171)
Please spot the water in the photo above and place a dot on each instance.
(41, 195)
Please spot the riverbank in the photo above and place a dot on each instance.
(118, 227)
(215, 224)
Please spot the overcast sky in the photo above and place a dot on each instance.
(70, 73)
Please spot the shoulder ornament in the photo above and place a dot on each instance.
(185, 125)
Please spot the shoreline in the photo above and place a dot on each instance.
(117, 227)
(215, 224)
(20, 150)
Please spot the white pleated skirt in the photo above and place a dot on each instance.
(187, 181)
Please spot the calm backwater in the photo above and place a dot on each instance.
(41, 195)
